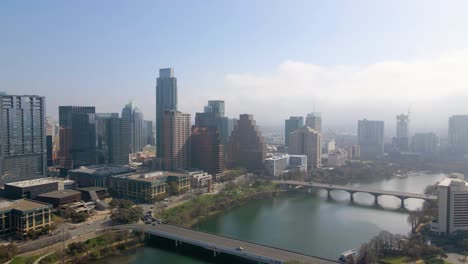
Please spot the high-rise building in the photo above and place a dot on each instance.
(458, 133)
(112, 139)
(306, 141)
(314, 121)
(133, 115)
(453, 198)
(22, 137)
(290, 125)
(207, 150)
(166, 99)
(176, 145)
(216, 106)
(401, 141)
(427, 144)
(149, 133)
(246, 145)
(371, 139)
(77, 136)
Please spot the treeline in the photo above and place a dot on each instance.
(386, 244)
(197, 209)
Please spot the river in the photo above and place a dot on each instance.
(307, 222)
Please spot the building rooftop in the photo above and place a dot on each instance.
(59, 194)
(154, 176)
(22, 205)
(453, 179)
(103, 170)
(33, 182)
(90, 189)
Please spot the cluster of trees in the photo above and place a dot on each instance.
(121, 203)
(231, 196)
(7, 252)
(428, 211)
(386, 244)
(124, 215)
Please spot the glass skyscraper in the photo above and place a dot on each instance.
(166, 99)
(22, 137)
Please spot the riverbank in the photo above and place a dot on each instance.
(197, 210)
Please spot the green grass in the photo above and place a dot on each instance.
(24, 260)
(401, 260)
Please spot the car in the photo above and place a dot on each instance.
(239, 248)
(154, 224)
(166, 200)
(159, 222)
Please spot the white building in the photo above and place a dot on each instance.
(200, 179)
(280, 163)
(453, 205)
(337, 158)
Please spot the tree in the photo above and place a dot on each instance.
(78, 217)
(127, 215)
(121, 203)
(7, 252)
(173, 188)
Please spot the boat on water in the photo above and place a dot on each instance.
(352, 253)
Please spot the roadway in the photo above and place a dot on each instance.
(256, 252)
(350, 189)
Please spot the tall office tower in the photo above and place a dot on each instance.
(112, 139)
(216, 106)
(402, 133)
(77, 136)
(166, 99)
(246, 145)
(176, 144)
(371, 139)
(22, 137)
(149, 133)
(458, 133)
(314, 121)
(290, 125)
(427, 144)
(132, 114)
(306, 141)
(453, 198)
(207, 150)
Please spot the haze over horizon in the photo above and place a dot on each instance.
(272, 59)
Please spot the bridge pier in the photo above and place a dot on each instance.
(402, 202)
(351, 196)
(376, 199)
(329, 194)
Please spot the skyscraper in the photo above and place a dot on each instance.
(216, 106)
(207, 150)
(371, 139)
(306, 141)
(77, 136)
(458, 133)
(402, 133)
(246, 145)
(166, 99)
(22, 137)
(149, 133)
(176, 144)
(427, 144)
(314, 121)
(112, 139)
(290, 125)
(133, 115)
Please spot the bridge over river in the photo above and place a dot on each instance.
(352, 190)
(221, 244)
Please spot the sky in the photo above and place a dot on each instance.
(347, 59)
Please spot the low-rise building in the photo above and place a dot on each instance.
(200, 179)
(453, 205)
(149, 187)
(58, 198)
(337, 158)
(280, 163)
(97, 175)
(31, 188)
(22, 216)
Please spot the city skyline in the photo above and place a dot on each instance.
(394, 68)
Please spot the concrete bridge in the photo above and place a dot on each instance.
(352, 190)
(219, 244)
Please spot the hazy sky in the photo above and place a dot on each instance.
(273, 59)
